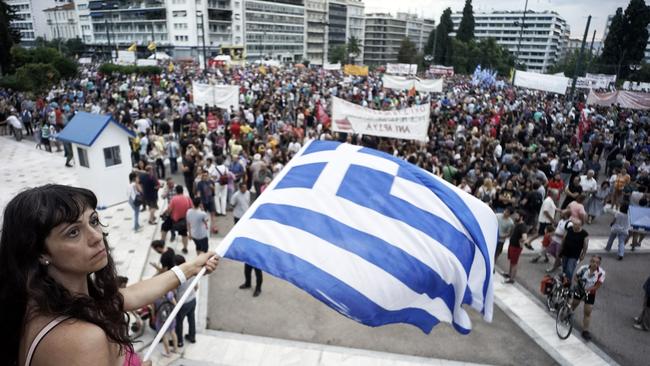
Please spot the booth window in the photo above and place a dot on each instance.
(83, 157)
(112, 156)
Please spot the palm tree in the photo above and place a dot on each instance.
(353, 48)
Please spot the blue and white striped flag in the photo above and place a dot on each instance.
(372, 236)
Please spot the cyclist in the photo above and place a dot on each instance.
(589, 278)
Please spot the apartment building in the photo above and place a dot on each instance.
(32, 19)
(544, 39)
(275, 29)
(384, 34)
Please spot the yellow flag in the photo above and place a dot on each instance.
(152, 46)
(132, 48)
(170, 68)
(356, 70)
(262, 70)
(511, 77)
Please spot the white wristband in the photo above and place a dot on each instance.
(179, 273)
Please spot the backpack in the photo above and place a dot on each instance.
(546, 285)
(223, 178)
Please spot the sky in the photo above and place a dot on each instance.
(575, 12)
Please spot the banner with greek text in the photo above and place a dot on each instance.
(356, 70)
(402, 69)
(421, 85)
(549, 83)
(409, 124)
(222, 96)
(440, 70)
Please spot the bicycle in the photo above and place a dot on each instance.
(558, 292)
(564, 317)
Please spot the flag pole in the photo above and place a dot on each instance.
(172, 316)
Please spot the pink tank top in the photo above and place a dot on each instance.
(130, 359)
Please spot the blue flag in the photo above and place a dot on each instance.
(374, 237)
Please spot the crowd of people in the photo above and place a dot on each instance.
(548, 166)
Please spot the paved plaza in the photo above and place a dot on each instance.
(286, 326)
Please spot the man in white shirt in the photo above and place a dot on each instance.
(240, 202)
(142, 125)
(588, 183)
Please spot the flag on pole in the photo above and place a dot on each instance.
(132, 48)
(321, 115)
(372, 236)
(170, 67)
(152, 46)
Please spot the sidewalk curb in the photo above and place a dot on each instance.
(532, 334)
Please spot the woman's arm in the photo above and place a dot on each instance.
(147, 291)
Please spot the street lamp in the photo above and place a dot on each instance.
(199, 14)
(521, 30)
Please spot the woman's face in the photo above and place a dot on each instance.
(78, 247)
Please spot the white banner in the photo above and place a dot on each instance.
(409, 124)
(146, 62)
(336, 66)
(441, 70)
(421, 85)
(125, 57)
(222, 96)
(549, 83)
(402, 69)
(594, 81)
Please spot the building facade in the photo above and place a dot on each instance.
(417, 29)
(384, 34)
(316, 37)
(62, 21)
(544, 39)
(32, 19)
(356, 25)
(275, 29)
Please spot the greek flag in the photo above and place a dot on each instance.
(374, 237)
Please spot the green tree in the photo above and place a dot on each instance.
(407, 52)
(567, 64)
(626, 40)
(8, 35)
(66, 67)
(487, 53)
(74, 47)
(353, 47)
(338, 54)
(37, 77)
(466, 27)
(642, 74)
(444, 48)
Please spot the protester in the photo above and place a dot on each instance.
(642, 322)
(517, 240)
(197, 226)
(52, 308)
(620, 228)
(187, 309)
(589, 278)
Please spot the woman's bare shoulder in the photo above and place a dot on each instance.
(75, 342)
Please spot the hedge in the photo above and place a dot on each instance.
(109, 69)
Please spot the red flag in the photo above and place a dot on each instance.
(322, 116)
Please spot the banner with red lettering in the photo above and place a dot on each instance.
(409, 124)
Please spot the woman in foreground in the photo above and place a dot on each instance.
(61, 304)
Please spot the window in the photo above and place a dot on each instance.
(179, 14)
(83, 157)
(112, 156)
